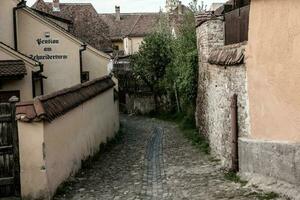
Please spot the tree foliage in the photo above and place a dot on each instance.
(185, 61)
(168, 64)
(152, 60)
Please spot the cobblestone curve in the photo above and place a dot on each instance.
(153, 162)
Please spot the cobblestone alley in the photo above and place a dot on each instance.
(154, 161)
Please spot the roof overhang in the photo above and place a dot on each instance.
(12, 69)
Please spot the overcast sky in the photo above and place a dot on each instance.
(104, 6)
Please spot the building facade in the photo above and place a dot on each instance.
(64, 88)
(263, 74)
(122, 33)
(46, 42)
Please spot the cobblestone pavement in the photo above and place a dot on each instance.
(153, 161)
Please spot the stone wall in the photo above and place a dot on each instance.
(217, 83)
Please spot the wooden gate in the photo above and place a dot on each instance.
(9, 153)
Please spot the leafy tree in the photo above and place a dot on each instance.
(184, 72)
(150, 63)
(168, 64)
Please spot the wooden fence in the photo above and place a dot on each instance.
(9, 155)
(237, 25)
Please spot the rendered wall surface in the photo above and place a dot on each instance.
(273, 70)
(270, 158)
(60, 146)
(62, 72)
(33, 174)
(95, 64)
(132, 45)
(6, 21)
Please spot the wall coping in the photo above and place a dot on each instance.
(204, 17)
(228, 55)
(51, 106)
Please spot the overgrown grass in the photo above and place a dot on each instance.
(186, 124)
(264, 196)
(232, 176)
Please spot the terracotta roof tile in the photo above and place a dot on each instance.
(87, 25)
(228, 55)
(144, 25)
(51, 106)
(203, 17)
(12, 68)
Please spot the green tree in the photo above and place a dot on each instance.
(184, 72)
(150, 63)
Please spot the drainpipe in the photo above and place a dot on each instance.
(42, 77)
(234, 134)
(20, 5)
(80, 59)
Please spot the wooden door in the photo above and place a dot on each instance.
(9, 153)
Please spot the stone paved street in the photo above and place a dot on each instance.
(153, 161)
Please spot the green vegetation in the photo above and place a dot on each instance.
(267, 196)
(232, 176)
(264, 196)
(167, 62)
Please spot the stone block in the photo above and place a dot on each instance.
(279, 160)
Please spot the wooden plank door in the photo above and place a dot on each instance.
(9, 154)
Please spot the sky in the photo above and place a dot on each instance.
(108, 6)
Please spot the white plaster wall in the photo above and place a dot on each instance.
(33, 174)
(6, 21)
(61, 73)
(132, 45)
(94, 63)
(77, 135)
(51, 152)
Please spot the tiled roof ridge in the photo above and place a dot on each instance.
(204, 17)
(53, 16)
(137, 13)
(79, 4)
(54, 105)
(39, 63)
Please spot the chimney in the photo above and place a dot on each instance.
(118, 14)
(180, 11)
(55, 6)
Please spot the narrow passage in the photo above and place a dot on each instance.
(153, 161)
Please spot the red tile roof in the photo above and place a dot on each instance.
(86, 24)
(130, 24)
(12, 68)
(54, 105)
